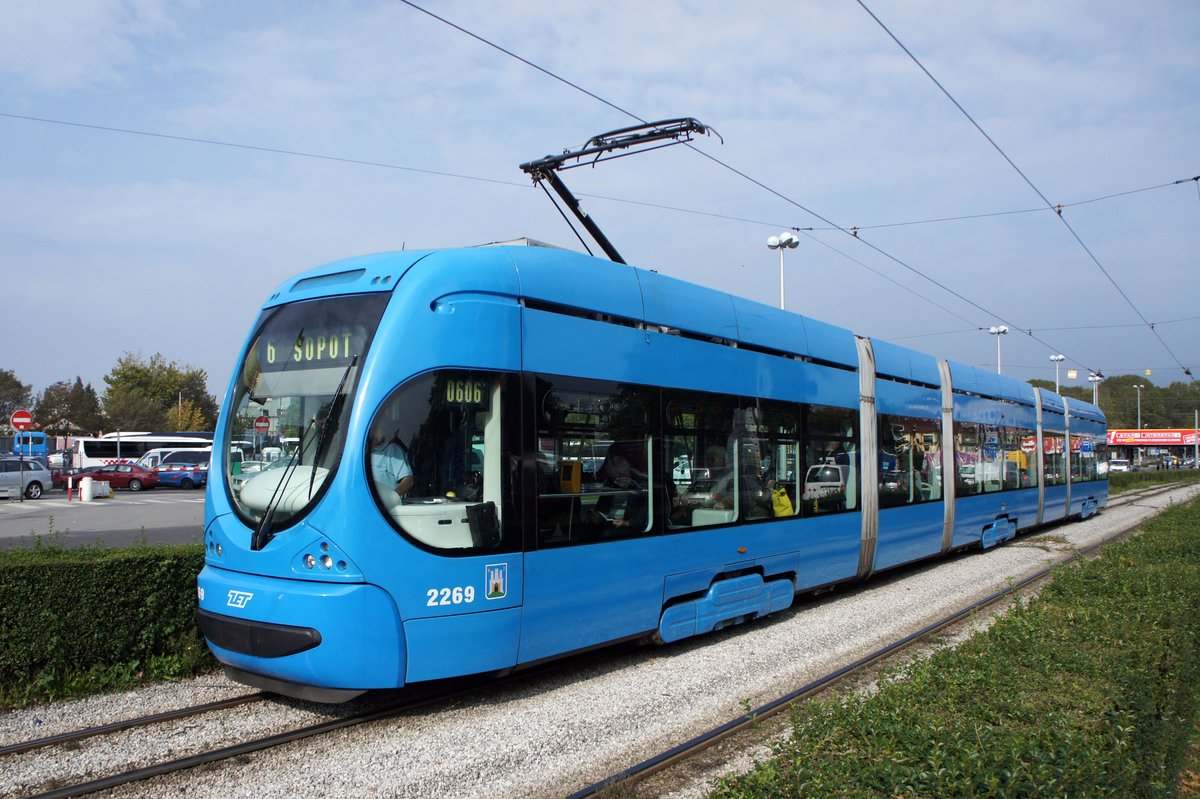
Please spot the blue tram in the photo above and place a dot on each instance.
(505, 454)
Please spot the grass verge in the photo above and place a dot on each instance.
(1127, 481)
(1089, 690)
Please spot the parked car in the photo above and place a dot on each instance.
(125, 475)
(59, 477)
(36, 477)
(1118, 465)
(184, 468)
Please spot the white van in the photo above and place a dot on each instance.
(826, 482)
(154, 457)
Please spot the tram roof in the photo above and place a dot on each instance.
(559, 277)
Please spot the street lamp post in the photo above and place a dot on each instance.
(1057, 359)
(1139, 388)
(998, 332)
(784, 241)
(1095, 379)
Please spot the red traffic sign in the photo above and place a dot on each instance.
(21, 420)
(262, 424)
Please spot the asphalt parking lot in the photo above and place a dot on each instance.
(156, 516)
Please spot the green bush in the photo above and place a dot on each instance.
(76, 621)
(1090, 690)
(1126, 481)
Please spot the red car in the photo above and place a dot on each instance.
(125, 475)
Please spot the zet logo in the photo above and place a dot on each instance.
(238, 599)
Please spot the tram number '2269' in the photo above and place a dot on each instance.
(450, 596)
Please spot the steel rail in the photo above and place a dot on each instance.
(638, 772)
(699, 743)
(244, 748)
(127, 724)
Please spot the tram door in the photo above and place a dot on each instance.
(594, 574)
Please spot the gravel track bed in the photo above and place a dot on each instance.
(551, 732)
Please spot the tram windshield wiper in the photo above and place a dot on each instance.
(328, 422)
(263, 532)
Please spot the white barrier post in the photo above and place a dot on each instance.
(85, 490)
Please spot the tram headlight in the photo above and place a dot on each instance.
(323, 559)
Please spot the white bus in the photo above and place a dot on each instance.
(128, 447)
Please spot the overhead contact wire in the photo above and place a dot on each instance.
(743, 175)
(1057, 209)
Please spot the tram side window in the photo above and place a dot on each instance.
(1003, 464)
(830, 461)
(910, 460)
(1017, 470)
(1030, 462)
(1083, 459)
(699, 437)
(595, 461)
(991, 469)
(768, 460)
(967, 472)
(1052, 444)
(1100, 454)
(434, 459)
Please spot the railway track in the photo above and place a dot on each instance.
(75, 786)
(680, 755)
(379, 708)
(76, 736)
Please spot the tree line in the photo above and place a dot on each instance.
(1161, 406)
(139, 394)
(153, 394)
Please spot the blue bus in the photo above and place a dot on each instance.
(506, 454)
(31, 444)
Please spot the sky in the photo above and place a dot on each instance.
(165, 165)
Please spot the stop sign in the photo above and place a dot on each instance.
(262, 424)
(21, 420)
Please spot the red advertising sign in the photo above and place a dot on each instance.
(1175, 437)
(21, 420)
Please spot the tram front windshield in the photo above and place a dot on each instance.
(292, 398)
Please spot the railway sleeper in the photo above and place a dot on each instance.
(727, 602)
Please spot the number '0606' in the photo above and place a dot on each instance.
(450, 596)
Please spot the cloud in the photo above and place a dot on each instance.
(79, 44)
(814, 101)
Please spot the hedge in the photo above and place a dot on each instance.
(73, 621)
